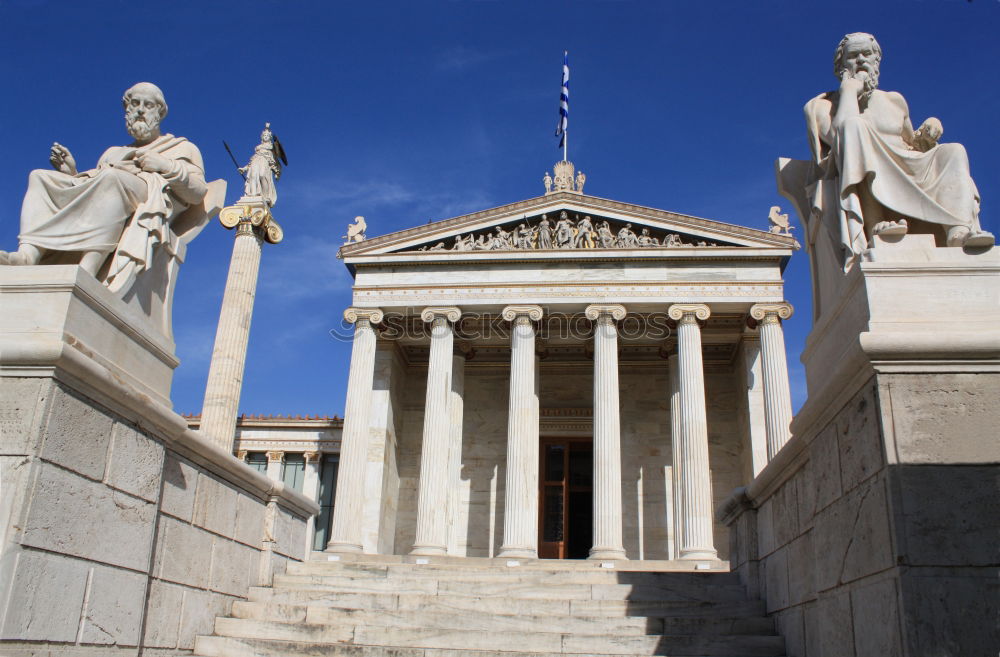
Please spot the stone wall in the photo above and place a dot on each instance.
(118, 536)
(874, 531)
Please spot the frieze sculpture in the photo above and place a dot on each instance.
(127, 221)
(566, 233)
(872, 173)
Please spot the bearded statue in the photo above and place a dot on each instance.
(128, 220)
(872, 174)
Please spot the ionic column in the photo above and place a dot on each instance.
(696, 481)
(310, 488)
(456, 415)
(608, 542)
(676, 453)
(253, 225)
(777, 398)
(345, 529)
(432, 499)
(274, 461)
(520, 520)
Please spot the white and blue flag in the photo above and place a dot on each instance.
(564, 102)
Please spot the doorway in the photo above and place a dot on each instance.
(566, 489)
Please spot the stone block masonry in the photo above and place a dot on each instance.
(123, 531)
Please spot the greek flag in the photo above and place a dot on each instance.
(563, 102)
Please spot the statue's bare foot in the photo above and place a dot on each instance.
(14, 258)
(979, 238)
(889, 228)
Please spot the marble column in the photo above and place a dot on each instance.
(696, 481)
(777, 397)
(274, 461)
(456, 419)
(432, 496)
(345, 529)
(607, 516)
(676, 453)
(756, 426)
(520, 519)
(225, 372)
(254, 225)
(310, 488)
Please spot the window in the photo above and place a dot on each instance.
(327, 492)
(293, 471)
(257, 461)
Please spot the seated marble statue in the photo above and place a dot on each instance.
(872, 173)
(123, 208)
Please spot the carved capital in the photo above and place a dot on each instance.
(256, 215)
(275, 457)
(596, 310)
(372, 315)
(534, 313)
(451, 313)
(771, 312)
(242, 455)
(312, 457)
(694, 311)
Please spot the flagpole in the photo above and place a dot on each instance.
(566, 134)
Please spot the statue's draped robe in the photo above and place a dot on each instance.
(115, 207)
(868, 154)
(260, 175)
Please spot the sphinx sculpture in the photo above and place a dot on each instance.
(127, 221)
(872, 174)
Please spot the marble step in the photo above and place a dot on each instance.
(497, 562)
(220, 646)
(550, 642)
(499, 605)
(583, 625)
(668, 590)
(578, 576)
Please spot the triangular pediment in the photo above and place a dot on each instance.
(566, 220)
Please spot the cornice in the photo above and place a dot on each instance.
(593, 203)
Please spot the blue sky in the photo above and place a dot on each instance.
(406, 112)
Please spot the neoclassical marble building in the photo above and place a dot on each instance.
(562, 377)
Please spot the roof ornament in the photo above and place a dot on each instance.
(564, 180)
(356, 231)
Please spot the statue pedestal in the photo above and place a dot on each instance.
(873, 530)
(59, 320)
(112, 510)
(908, 302)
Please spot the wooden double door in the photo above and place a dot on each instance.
(565, 498)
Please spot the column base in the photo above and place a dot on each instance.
(429, 551)
(343, 548)
(517, 553)
(698, 554)
(607, 554)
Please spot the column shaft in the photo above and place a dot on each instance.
(456, 418)
(310, 488)
(696, 483)
(345, 529)
(677, 456)
(432, 498)
(608, 542)
(520, 521)
(225, 373)
(777, 397)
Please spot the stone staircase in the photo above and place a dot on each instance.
(383, 606)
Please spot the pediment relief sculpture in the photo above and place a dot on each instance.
(565, 232)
